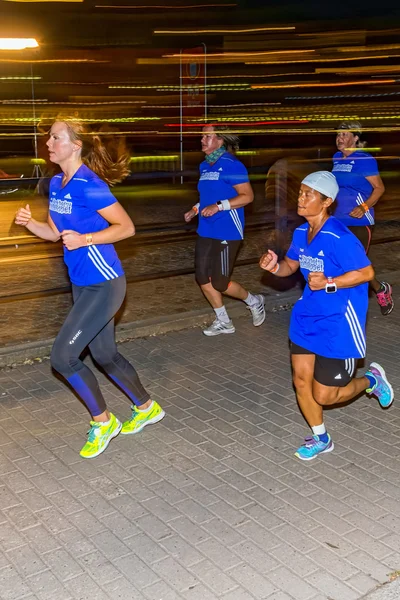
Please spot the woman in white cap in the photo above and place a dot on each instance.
(360, 188)
(327, 328)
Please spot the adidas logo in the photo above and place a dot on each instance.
(321, 253)
(352, 162)
(220, 169)
(224, 242)
(338, 376)
(67, 197)
(53, 193)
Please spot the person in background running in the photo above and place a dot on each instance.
(88, 218)
(224, 190)
(327, 326)
(360, 188)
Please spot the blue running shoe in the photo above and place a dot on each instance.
(382, 389)
(313, 446)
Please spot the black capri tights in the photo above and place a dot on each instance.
(90, 322)
(214, 261)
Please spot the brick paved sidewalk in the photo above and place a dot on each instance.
(210, 503)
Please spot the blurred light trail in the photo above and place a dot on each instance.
(161, 6)
(252, 124)
(17, 43)
(209, 31)
(13, 78)
(239, 54)
(263, 86)
(52, 60)
(318, 60)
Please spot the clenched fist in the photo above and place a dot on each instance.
(317, 281)
(189, 215)
(23, 216)
(268, 261)
(209, 210)
(72, 240)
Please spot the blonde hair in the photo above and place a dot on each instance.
(95, 155)
(356, 129)
(231, 140)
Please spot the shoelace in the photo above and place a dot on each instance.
(384, 298)
(92, 433)
(256, 308)
(310, 441)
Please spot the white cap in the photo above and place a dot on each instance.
(324, 182)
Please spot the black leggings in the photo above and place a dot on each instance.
(90, 322)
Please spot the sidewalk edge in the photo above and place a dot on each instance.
(40, 349)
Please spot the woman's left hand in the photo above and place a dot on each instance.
(357, 212)
(317, 281)
(72, 240)
(209, 211)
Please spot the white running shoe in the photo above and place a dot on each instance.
(258, 311)
(219, 327)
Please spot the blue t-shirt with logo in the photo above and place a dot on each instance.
(216, 183)
(354, 189)
(331, 325)
(75, 207)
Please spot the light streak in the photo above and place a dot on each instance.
(263, 86)
(211, 31)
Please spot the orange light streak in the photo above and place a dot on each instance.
(263, 86)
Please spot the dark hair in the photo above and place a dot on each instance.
(356, 129)
(231, 140)
(331, 207)
(95, 155)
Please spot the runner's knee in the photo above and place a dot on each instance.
(220, 282)
(64, 360)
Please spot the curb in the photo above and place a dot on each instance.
(11, 356)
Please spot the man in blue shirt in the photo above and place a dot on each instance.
(360, 188)
(327, 327)
(224, 190)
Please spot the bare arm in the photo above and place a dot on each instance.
(317, 281)
(121, 227)
(377, 193)
(46, 231)
(284, 268)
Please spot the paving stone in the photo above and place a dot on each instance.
(214, 506)
(47, 587)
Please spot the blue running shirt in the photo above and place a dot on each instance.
(354, 189)
(331, 325)
(75, 207)
(216, 183)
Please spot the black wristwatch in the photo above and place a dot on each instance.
(220, 205)
(330, 286)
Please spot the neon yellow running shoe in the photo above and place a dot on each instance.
(100, 436)
(141, 418)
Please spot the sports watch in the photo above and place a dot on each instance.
(220, 205)
(330, 286)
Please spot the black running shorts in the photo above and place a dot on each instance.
(364, 234)
(332, 372)
(214, 261)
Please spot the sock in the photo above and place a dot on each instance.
(251, 300)
(145, 409)
(222, 315)
(372, 380)
(102, 423)
(320, 431)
